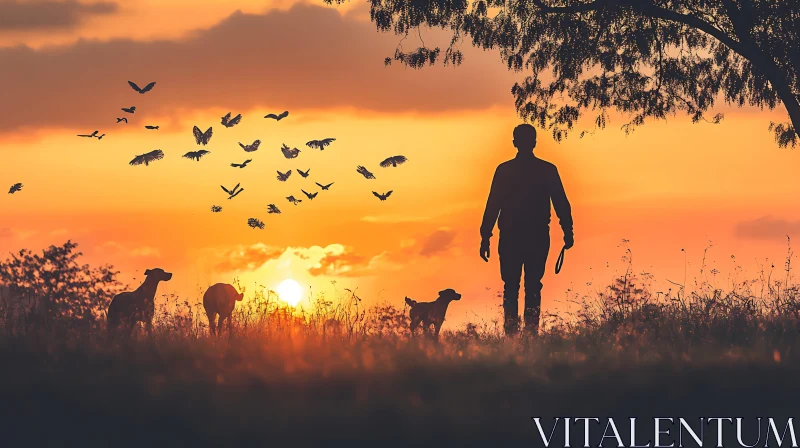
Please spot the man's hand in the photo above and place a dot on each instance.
(569, 241)
(485, 250)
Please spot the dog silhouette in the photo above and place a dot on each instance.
(128, 308)
(431, 313)
(220, 299)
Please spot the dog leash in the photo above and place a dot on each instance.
(560, 261)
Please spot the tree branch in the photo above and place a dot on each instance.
(650, 10)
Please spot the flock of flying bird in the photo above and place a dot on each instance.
(202, 139)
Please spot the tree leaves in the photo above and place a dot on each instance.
(55, 285)
(649, 59)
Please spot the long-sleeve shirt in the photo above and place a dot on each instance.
(521, 192)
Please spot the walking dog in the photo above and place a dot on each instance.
(220, 299)
(128, 308)
(429, 313)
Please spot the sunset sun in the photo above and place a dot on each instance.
(290, 291)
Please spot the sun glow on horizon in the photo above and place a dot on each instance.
(290, 291)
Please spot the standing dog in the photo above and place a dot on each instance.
(429, 313)
(128, 308)
(220, 299)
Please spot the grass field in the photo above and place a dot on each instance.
(341, 373)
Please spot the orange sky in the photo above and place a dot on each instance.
(668, 186)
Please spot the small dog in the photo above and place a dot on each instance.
(429, 313)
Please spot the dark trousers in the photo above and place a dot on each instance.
(528, 253)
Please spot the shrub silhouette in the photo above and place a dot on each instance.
(55, 285)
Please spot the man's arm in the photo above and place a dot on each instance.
(563, 209)
(492, 207)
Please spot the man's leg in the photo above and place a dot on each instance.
(511, 273)
(535, 265)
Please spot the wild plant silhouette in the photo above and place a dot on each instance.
(351, 371)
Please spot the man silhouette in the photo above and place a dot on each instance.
(521, 192)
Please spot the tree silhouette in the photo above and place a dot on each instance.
(648, 59)
(55, 285)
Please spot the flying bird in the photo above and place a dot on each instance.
(229, 122)
(129, 110)
(15, 188)
(310, 196)
(196, 155)
(394, 161)
(255, 223)
(289, 153)
(251, 148)
(304, 174)
(283, 177)
(144, 90)
(241, 165)
(151, 156)
(324, 187)
(216, 208)
(272, 208)
(382, 197)
(93, 134)
(278, 117)
(151, 127)
(202, 138)
(365, 172)
(122, 119)
(321, 144)
(293, 200)
(233, 192)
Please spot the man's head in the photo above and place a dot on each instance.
(525, 138)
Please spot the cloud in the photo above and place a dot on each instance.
(11, 233)
(18, 15)
(306, 58)
(116, 248)
(247, 258)
(437, 242)
(766, 228)
(397, 219)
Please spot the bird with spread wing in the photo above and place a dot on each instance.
(229, 122)
(152, 128)
(122, 119)
(216, 209)
(143, 90)
(283, 177)
(233, 192)
(382, 197)
(255, 223)
(93, 134)
(241, 165)
(324, 187)
(365, 172)
(272, 208)
(310, 196)
(200, 137)
(130, 110)
(251, 148)
(196, 155)
(15, 188)
(289, 153)
(321, 144)
(146, 158)
(394, 161)
(293, 200)
(279, 116)
(304, 173)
